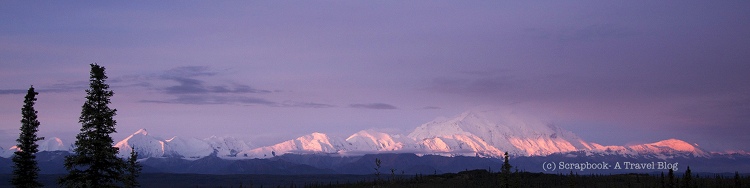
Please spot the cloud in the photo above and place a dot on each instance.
(76, 86)
(11, 91)
(430, 108)
(54, 88)
(190, 71)
(305, 105)
(188, 82)
(194, 87)
(590, 32)
(212, 99)
(241, 100)
(376, 106)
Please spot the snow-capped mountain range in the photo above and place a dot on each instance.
(473, 133)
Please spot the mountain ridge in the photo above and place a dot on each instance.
(472, 133)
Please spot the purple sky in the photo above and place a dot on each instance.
(612, 72)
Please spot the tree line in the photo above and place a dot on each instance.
(94, 162)
(506, 178)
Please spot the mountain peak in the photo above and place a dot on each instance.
(52, 144)
(145, 144)
(371, 140)
(662, 149)
(676, 144)
(141, 131)
(318, 135)
(506, 130)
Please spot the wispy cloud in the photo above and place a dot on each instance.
(11, 91)
(77, 86)
(54, 88)
(591, 32)
(240, 100)
(305, 105)
(190, 71)
(211, 99)
(376, 106)
(194, 87)
(189, 82)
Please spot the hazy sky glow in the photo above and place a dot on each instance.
(612, 72)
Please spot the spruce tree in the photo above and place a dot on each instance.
(95, 162)
(505, 171)
(133, 170)
(25, 170)
(671, 183)
(571, 180)
(737, 179)
(377, 169)
(663, 185)
(687, 177)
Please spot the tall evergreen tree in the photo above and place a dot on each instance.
(737, 179)
(505, 171)
(663, 185)
(687, 177)
(95, 162)
(26, 171)
(571, 180)
(133, 170)
(377, 169)
(671, 183)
